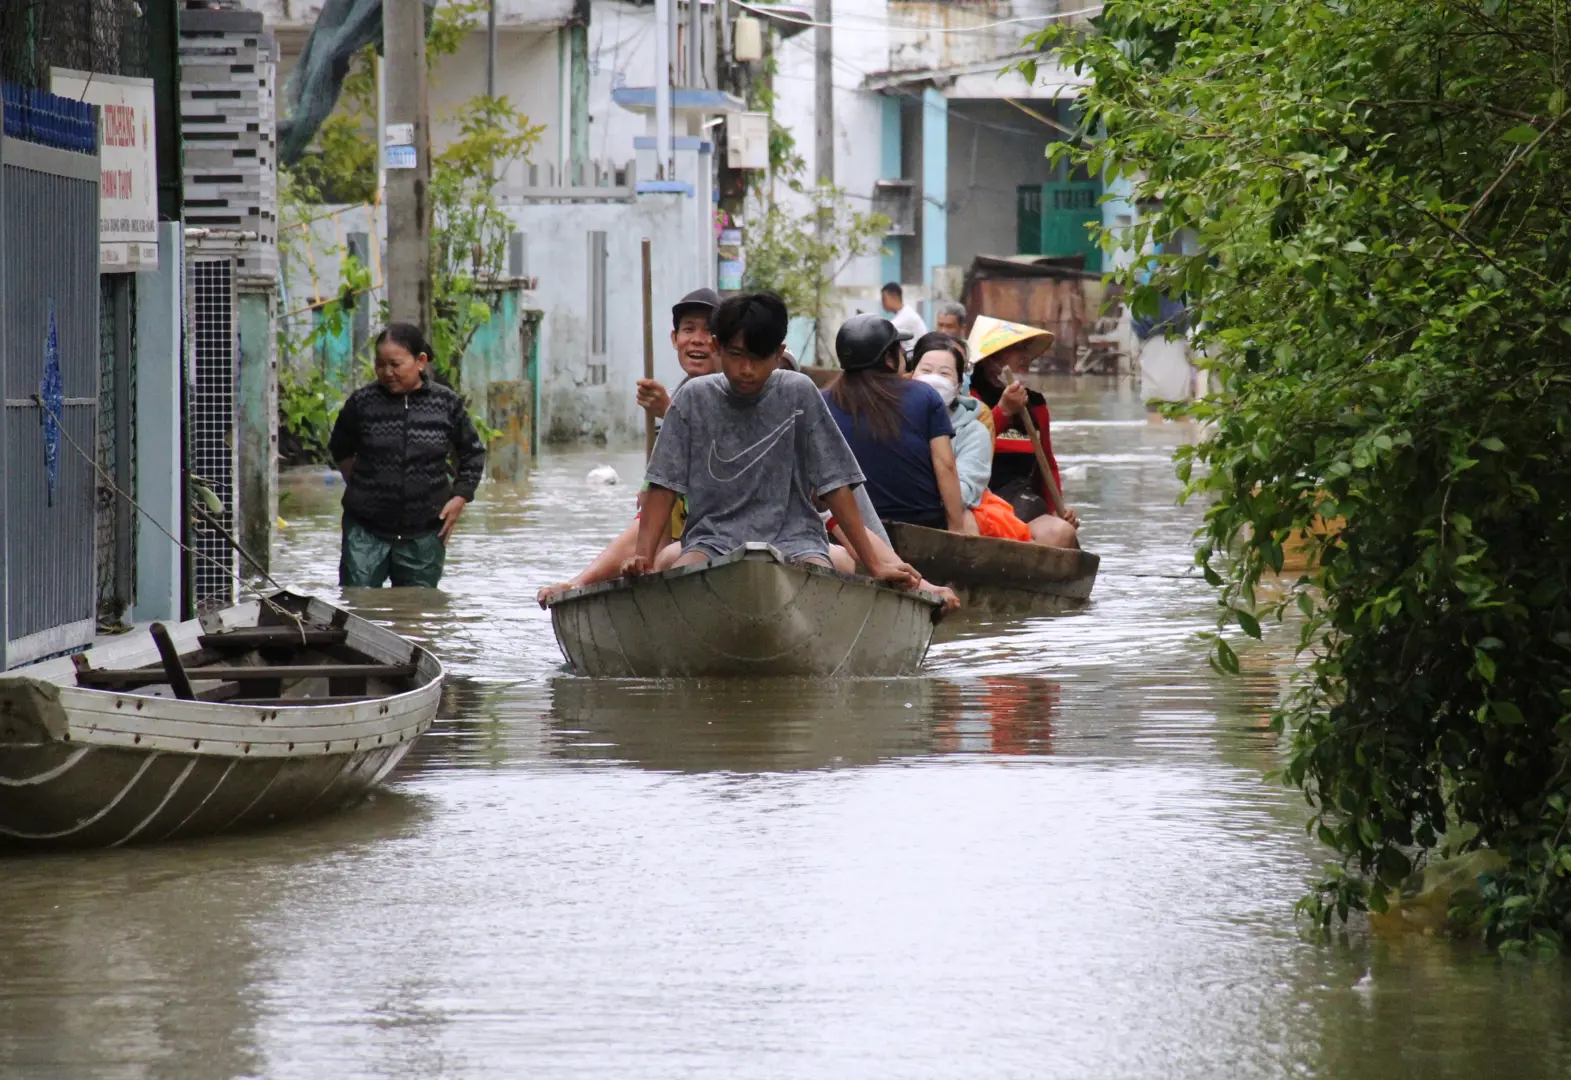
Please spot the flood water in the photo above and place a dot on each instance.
(1053, 855)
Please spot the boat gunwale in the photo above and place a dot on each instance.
(1047, 588)
(747, 552)
(285, 730)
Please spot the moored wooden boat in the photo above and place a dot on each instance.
(295, 708)
(999, 576)
(749, 613)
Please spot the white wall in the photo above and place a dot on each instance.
(526, 74)
(573, 406)
(858, 112)
(993, 148)
(292, 14)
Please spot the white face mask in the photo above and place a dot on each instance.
(946, 389)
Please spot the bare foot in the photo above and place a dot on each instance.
(549, 592)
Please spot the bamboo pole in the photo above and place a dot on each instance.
(649, 347)
(1059, 507)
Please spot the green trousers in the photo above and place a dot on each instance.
(367, 560)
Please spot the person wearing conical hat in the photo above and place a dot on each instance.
(994, 346)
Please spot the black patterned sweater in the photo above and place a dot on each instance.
(403, 446)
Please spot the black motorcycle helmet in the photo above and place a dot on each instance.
(864, 340)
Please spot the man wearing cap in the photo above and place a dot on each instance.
(695, 351)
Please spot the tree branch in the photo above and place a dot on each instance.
(1516, 159)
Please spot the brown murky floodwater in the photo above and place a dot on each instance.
(1052, 856)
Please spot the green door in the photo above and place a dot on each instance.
(1058, 218)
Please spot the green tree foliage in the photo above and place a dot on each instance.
(1382, 193)
(469, 230)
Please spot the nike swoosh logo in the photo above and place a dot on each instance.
(749, 455)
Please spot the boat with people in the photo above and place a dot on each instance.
(749, 612)
(759, 546)
(997, 576)
(277, 709)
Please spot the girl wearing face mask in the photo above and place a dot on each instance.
(941, 363)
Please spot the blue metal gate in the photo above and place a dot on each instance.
(48, 290)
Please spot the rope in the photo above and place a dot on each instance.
(108, 481)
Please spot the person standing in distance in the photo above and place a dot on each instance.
(395, 441)
(906, 321)
(951, 320)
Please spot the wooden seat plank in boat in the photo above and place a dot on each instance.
(105, 678)
(252, 637)
(999, 576)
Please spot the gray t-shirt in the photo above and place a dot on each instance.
(749, 465)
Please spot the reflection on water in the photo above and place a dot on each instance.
(788, 725)
(1052, 855)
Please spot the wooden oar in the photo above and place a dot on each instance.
(1059, 506)
(174, 670)
(649, 349)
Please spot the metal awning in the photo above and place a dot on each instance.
(982, 79)
(683, 100)
(783, 19)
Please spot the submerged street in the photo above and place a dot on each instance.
(1052, 855)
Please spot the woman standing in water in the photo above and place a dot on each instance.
(394, 441)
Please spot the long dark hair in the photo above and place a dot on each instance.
(871, 396)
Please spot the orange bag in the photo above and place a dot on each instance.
(995, 517)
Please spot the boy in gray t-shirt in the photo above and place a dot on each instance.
(749, 447)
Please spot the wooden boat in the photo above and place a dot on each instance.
(999, 576)
(749, 613)
(259, 713)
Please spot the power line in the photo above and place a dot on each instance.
(776, 13)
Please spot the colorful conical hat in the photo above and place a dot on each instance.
(989, 335)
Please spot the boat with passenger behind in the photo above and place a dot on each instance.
(752, 612)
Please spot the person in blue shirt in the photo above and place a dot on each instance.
(899, 429)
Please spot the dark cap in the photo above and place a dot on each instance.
(864, 339)
(699, 300)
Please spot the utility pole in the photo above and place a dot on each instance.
(824, 76)
(664, 27)
(408, 271)
(824, 155)
(490, 50)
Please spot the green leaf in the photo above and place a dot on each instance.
(1248, 623)
(1226, 658)
(1521, 133)
(1507, 712)
(1492, 443)
(1484, 664)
